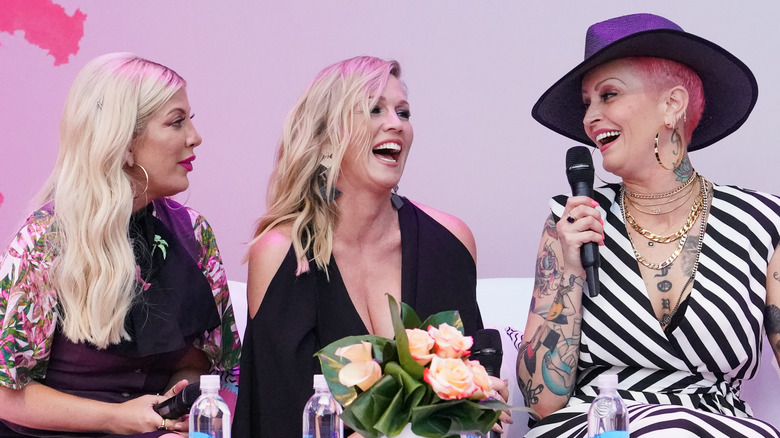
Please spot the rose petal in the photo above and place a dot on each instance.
(363, 374)
(356, 352)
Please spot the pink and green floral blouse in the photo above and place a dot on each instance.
(29, 311)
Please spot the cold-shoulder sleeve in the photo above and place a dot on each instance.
(28, 314)
(222, 345)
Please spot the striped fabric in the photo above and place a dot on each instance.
(686, 383)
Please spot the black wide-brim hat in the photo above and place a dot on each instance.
(730, 89)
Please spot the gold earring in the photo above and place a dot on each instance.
(146, 187)
(675, 138)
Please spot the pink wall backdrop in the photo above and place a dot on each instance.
(474, 69)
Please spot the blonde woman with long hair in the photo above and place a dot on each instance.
(336, 238)
(112, 296)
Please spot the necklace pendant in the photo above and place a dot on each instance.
(656, 211)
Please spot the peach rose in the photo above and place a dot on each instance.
(362, 371)
(356, 352)
(361, 374)
(481, 381)
(449, 342)
(450, 379)
(420, 345)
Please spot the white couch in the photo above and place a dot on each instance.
(504, 305)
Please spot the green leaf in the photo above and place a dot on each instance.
(382, 349)
(451, 317)
(454, 417)
(402, 342)
(409, 317)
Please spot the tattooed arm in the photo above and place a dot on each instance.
(548, 357)
(772, 309)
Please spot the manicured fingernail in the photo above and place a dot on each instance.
(594, 203)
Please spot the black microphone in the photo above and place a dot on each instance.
(487, 350)
(580, 172)
(180, 403)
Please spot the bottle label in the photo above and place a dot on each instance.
(612, 434)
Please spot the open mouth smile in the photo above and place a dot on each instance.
(607, 137)
(387, 151)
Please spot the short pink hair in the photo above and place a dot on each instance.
(662, 74)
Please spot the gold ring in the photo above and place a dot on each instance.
(162, 425)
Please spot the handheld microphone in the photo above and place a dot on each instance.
(580, 172)
(180, 403)
(487, 350)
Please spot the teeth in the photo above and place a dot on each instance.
(393, 147)
(604, 135)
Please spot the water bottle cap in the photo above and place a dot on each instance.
(320, 382)
(608, 381)
(209, 381)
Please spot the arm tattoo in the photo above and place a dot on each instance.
(772, 324)
(530, 392)
(547, 271)
(776, 276)
(549, 228)
(772, 319)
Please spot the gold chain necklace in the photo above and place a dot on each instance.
(654, 209)
(662, 195)
(683, 238)
(695, 210)
(667, 318)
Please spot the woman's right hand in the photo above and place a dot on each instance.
(580, 223)
(137, 416)
(143, 417)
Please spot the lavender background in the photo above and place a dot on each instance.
(474, 70)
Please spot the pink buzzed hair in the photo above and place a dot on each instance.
(662, 74)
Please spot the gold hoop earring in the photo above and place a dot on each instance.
(146, 187)
(675, 138)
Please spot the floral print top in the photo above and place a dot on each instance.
(29, 310)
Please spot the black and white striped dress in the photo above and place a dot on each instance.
(687, 382)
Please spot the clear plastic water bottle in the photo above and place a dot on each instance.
(608, 416)
(210, 415)
(321, 416)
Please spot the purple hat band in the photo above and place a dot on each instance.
(730, 89)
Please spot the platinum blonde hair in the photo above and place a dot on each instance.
(94, 271)
(332, 113)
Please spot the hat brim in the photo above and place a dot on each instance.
(730, 89)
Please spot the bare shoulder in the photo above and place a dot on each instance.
(265, 256)
(455, 226)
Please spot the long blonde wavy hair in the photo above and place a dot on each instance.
(94, 271)
(332, 113)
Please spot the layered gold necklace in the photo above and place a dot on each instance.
(699, 209)
(699, 205)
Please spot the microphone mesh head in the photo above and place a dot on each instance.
(487, 338)
(487, 350)
(579, 165)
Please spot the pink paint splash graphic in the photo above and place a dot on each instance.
(1, 199)
(45, 25)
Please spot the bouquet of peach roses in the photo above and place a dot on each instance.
(423, 377)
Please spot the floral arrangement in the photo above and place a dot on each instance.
(423, 377)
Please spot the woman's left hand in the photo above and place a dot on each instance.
(501, 392)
